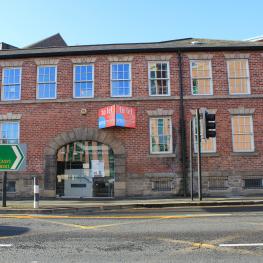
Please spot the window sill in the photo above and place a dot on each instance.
(209, 154)
(160, 155)
(244, 154)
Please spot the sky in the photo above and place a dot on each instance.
(83, 22)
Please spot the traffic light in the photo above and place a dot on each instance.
(210, 125)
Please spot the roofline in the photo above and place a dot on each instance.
(128, 50)
(253, 39)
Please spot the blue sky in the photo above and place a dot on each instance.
(120, 21)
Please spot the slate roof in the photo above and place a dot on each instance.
(5, 46)
(46, 48)
(53, 41)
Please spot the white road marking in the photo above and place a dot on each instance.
(6, 245)
(242, 245)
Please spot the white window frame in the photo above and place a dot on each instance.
(252, 132)
(171, 134)
(20, 83)
(37, 90)
(74, 81)
(248, 77)
(210, 77)
(202, 140)
(9, 121)
(168, 79)
(130, 79)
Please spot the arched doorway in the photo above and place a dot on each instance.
(85, 134)
(85, 169)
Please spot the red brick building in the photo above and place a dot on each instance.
(51, 95)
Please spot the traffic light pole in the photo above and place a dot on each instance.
(199, 156)
(191, 160)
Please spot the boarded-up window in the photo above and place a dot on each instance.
(201, 77)
(242, 133)
(238, 76)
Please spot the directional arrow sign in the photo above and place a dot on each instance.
(11, 157)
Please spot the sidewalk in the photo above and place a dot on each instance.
(88, 205)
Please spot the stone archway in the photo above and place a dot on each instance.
(79, 134)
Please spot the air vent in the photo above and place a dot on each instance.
(197, 43)
(162, 185)
(217, 183)
(253, 183)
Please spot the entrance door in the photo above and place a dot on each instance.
(85, 169)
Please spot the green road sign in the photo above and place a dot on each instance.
(11, 157)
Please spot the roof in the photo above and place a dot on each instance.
(52, 41)
(186, 44)
(255, 39)
(4, 46)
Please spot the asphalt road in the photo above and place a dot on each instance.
(137, 235)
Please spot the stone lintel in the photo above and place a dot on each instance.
(201, 56)
(242, 111)
(46, 61)
(120, 58)
(236, 55)
(11, 63)
(83, 60)
(10, 116)
(158, 57)
(211, 111)
(160, 112)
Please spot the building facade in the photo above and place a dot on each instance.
(52, 96)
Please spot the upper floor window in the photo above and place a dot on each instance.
(120, 80)
(9, 132)
(159, 78)
(83, 81)
(242, 133)
(161, 135)
(46, 82)
(207, 145)
(238, 76)
(201, 77)
(11, 89)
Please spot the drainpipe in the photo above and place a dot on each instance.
(182, 125)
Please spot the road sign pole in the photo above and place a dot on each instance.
(199, 155)
(36, 192)
(4, 190)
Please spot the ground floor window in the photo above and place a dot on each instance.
(85, 169)
(9, 132)
(161, 135)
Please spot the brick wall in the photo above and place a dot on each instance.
(42, 121)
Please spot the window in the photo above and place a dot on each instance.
(83, 81)
(242, 133)
(11, 84)
(159, 78)
(201, 77)
(238, 76)
(207, 145)
(161, 135)
(9, 132)
(46, 86)
(11, 186)
(120, 80)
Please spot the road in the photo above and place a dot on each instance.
(138, 235)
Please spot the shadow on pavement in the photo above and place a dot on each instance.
(12, 230)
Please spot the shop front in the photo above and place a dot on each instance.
(85, 169)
